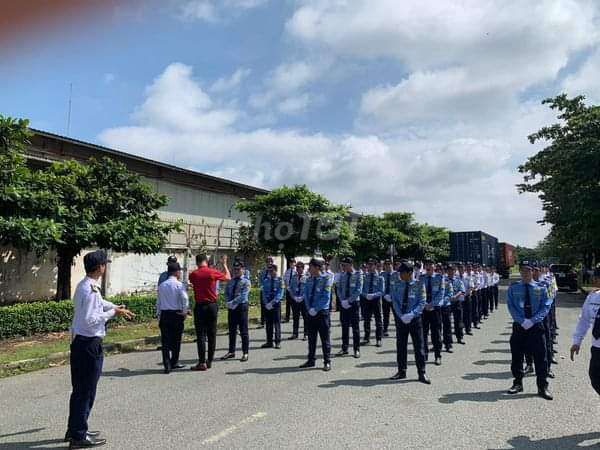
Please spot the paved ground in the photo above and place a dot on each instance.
(269, 403)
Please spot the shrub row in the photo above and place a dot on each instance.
(25, 319)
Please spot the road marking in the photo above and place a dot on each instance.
(227, 431)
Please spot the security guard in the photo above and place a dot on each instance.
(91, 312)
(272, 293)
(408, 300)
(467, 317)
(317, 296)
(236, 299)
(164, 276)
(590, 317)
(475, 296)
(543, 282)
(528, 305)
(495, 281)
(287, 276)
(295, 291)
(432, 315)
(262, 275)
(446, 310)
(349, 288)
(172, 306)
(373, 287)
(387, 298)
(457, 300)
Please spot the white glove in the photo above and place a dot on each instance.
(229, 305)
(345, 304)
(370, 296)
(388, 298)
(527, 324)
(298, 299)
(312, 312)
(269, 306)
(234, 305)
(406, 318)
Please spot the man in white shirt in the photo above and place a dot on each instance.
(91, 312)
(287, 276)
(172, 306)
(589, 318)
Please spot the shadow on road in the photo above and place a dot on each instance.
(361, 382)
(485, 362)
(487, 376)
(573, 441)
(42, 444)
(500, 341)
(496, 350)
(485, 396)
(367, 365)
(270, 370)
(122, 372)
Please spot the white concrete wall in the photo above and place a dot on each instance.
(24, 276)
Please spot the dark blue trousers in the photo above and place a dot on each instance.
(318, 325)
(237, 319)
(350, 318)
(532, 341)
(86, 366)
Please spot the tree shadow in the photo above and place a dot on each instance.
(485, 396)
(122, 372)
(18, 433)
(499, 341)
(573, 441)
(288, 357)
(485, 362)
(488, 376)
(367, 365)
(362, 382)
(505, 334)
(42, 444)
(496, 350)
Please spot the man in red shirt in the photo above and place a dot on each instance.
(204, 280)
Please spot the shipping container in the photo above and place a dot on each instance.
(474, 247)
(506, 259)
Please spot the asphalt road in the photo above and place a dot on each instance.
(270, 403)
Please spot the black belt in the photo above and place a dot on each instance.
(88, 338)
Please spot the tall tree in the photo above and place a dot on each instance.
(566, 175)
(296, 221)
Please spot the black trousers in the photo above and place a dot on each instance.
(432, 321)
(350, 318)
(273, 324)
(288, 305)
(262, 309)
(372, 308)
(467, 318)
(595, 369)
(171, 330)
(531, 341)
(548, 336)
(475, 303)
(298, 311)
(205, 322)
(319, 325)
(553, 318)
(415, 330)
(387, 310)
(447, 326)
(495, 293)
(86, 366)
(485, 295)
(491, 298)
(237, 319)
(457, 317)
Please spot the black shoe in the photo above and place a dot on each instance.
(386, 334)
(208, 364)
(89, 433)
(177, 366)
(87, 442)
(262, 325)
(365, 342)
(400, 375)
(357, 354)
(470, 333)
(378, 344)
(438, 361)
(553, 360)
(277, 345)
(545, 394)
(528, 368)
(476, 326)
(550, 374)
(167, 371)
(461, 342)
(307, 365)
(292, 337)
(342, 353)
(426, 357)
(326, 367)
(554, 341)
(423, 378)
(244, 357)
(554, 351)
(515, 388)
(228, 355)
(267, 345)
(304, 337)
(449, 350)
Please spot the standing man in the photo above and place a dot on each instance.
(432, 315)
(172, 307)
(528, 305)
(262, 275)
(446, 310)
(287, 276)
(543, 283)
(349, 288)
(467, 317)
(457, 301)
(590, 317)
(236, 298)
(373, 287)
(295, 291)
(91, 312)
(272, 293)
(317, 295)
(408, 300)
(387, 298)
(164, 276)
(204, 281)
(495, 281)
(475, 296)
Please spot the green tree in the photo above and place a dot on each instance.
(23, 210)
(296, 221)
(102, 204)
(566, 175)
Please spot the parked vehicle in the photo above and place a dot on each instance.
(506, 259)
(474, 247)
(566, 276)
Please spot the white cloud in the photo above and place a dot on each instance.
(585, 80)
(459, 182)
(215, 10)
(232, 82)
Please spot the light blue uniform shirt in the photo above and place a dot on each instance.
(296, 285)
(438, 288)
(416, 295)
(317, 292)
(457, 285)
(272, 289)
(540, 305)
(237, 290)
(91, 311)
(373, 283)
(172, 296)
(349, 286)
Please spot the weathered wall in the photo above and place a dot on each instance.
(24, 276)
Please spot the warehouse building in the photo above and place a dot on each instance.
(205, 205)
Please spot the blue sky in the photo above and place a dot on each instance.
(380, 104)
